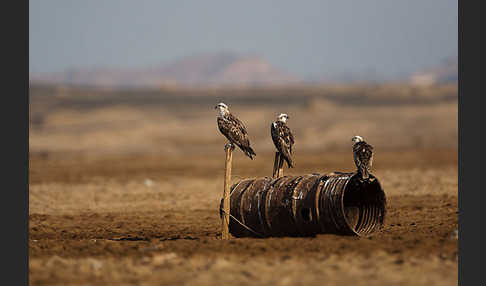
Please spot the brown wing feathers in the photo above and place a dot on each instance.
(363, 157)
(283, 139)
(234, 130)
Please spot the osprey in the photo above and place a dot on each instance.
(234, 130)
(363, 156)
(283, 138)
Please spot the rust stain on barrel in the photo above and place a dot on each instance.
(274, 201)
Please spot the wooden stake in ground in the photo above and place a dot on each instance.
(275, 165)
(226, 195)
(278, 165)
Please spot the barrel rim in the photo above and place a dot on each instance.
(381, 223)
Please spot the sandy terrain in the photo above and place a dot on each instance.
(129, 195)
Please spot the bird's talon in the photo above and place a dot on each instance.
(229, 145)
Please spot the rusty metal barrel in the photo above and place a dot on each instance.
(338, 203)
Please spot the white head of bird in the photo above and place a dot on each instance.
(357, 139)
(223, 108)
(283, 117)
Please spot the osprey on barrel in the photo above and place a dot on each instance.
(234, 130)
(363, 156)
(283, 138)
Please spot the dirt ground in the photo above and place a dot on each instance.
(129, 195)
(147, 225)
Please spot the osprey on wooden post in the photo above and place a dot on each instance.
(234, 130)
(283, 138)
(363, 156)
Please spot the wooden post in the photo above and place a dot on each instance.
(275, 165)
(280, 165)
(226, 195)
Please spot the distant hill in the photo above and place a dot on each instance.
(198, 70)
(230, 69)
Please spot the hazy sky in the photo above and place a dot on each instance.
(306, 38)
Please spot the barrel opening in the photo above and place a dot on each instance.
(364, 205)
(306, 214)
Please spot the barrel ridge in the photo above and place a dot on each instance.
(235, 201)
(249, 212)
